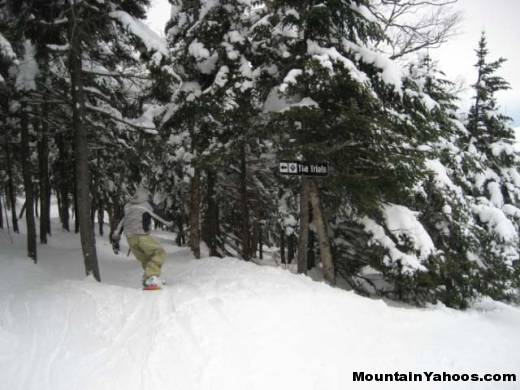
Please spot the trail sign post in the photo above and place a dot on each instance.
(304, 168)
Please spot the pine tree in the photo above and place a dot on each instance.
(336, 100)
(485, 123)
(211, 120)
(495, 181)
(87, 56)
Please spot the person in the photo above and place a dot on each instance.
(138, 214)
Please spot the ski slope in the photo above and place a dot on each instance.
(225, 324)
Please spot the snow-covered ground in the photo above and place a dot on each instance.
(225, 324)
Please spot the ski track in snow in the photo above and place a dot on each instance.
(225, 324)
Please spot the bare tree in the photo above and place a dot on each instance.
(414, 25)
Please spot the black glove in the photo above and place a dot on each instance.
(115, 246)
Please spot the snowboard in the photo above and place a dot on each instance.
(152, 288)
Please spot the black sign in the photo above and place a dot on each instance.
(304, 168)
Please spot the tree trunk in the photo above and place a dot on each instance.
(304, 227)
(101, 217)
(253, 240)
(75, 198)
(195, 214)
(48, 188)
(116, 213)
(1, 214)
(28, 184)
(282, 245)
(211, 223)
(245, 227)
(58, 200)
(63, 190)
(291, 248)
(260, 242)
(321, 228)
(22, 210)
(43, 163)
(10, 186)
(179, 220)
(88, 240)
(311, 256)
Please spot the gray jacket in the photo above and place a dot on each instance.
(137, 219)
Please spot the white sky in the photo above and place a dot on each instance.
(500, 20)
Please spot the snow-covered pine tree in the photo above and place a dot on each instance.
(8, 57)
(485, 123)
(464, 203)
(495, 180)
(443, 196)
(91, 68)
(211, 123)
(336, 100)
(21, 83)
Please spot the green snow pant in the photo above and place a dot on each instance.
(148, 252)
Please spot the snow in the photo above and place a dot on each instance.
(58, 47)
(222, 76)
(197, 50)
(425, 99)
(27, 69)
(364, 11)
(401, 221)
(496, 221)
(496, 197)
(441, 177)
(274, 102)
(290, 78)
(504, 147)
(206, 62)
(150, 39)
(327, 56)
(235, 37)
(511, 211)
(410, 263)
(6, 50)
(191, 89)
(305, 102)
(484, 177)
(147, 120)
(224, 324)
(392, 73)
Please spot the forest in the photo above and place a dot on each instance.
(421, 203)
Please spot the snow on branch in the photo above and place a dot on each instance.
(496, 221)
(6, 50)
(392, 72)
(150, 39)
(143, 123)
(327, 56)
(409, 262)
(27, 69)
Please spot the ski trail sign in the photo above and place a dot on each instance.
(304, 168)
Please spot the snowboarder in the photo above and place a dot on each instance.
(136, 222)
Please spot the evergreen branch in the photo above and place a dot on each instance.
(112, 117)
